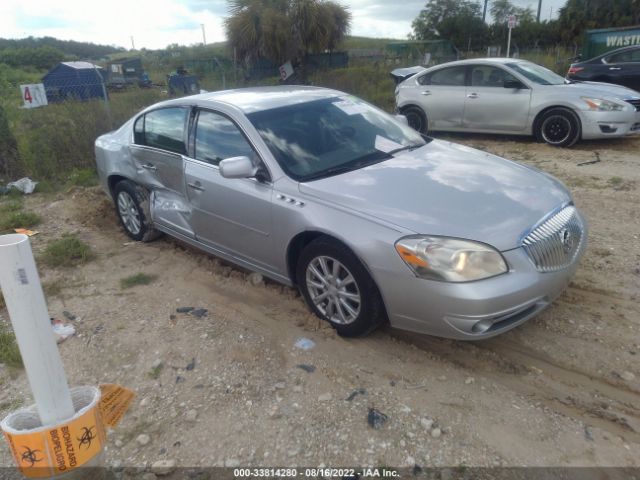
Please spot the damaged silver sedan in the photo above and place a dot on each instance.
(372, 221)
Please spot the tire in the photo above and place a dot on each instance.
(132, 207)
(559, 127)
(354, 307)
(416, 118)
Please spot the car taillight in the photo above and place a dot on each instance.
(573, 70)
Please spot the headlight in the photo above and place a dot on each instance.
(450, 259)
(602, 105)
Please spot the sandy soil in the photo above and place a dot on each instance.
(561, 390)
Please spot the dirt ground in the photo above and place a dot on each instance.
(231, 389)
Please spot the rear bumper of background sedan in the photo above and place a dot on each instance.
(597, 125)
(474, 310)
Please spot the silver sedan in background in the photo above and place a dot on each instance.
(372, 221)
(517, 97)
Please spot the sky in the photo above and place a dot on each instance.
(158, 23)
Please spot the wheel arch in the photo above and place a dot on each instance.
(112, 181)
(302, 239)
(425, 117)
(536, 120)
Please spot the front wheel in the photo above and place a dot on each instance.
(338, 288)
(559, 127)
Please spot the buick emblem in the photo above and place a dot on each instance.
(567, 240)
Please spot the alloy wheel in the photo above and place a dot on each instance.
(129, 213)
(333, 290)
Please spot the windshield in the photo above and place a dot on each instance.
(536, 73)
(325, 137)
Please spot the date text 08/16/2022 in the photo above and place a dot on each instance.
(324, 472)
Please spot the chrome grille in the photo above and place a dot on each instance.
(553, 244)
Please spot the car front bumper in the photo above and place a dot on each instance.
(597, 125)
(474, 310)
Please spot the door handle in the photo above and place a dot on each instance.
(472, 95)
(426, 92)
(150, 166)
(615, 68)
(196, 186)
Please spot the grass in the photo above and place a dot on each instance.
(68, 251)
(10, 405)
(155, 371)
(18, 220)
(9, 353)
(83, 177)
(137, 279)
(52, 289)
(615, 181)
(11, 205)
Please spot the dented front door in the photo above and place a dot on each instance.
(233, 215)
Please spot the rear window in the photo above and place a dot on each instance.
(163, 128)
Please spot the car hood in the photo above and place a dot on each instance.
(598, 89)
(450, 190)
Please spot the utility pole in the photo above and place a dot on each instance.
(204, 39)
(484, 11)
(133, 46)
(539, 9)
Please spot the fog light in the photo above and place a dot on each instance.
(482, 326)
(608, 129)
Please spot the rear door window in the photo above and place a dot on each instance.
(164, 129)
(632, 56)
(451, 76)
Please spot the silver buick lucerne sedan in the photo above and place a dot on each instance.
(372, 221)
(506, 95)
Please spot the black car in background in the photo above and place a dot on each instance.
(621, 66)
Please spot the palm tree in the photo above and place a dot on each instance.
(501, 9)
(281, 30)
(339, 22)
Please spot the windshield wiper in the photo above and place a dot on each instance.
(329, 172)
(406, 147)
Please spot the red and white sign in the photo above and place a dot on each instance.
(512, 21)
(286, 71)
(33, 95)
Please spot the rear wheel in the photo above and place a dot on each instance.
(559, 127)
(338, 288)
(416, 118)
(132, 206)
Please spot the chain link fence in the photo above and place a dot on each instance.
(52, 140)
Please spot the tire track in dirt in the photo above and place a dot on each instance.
(593, 401)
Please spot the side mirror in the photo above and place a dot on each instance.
(513, 83)
(402, 119)
(237, 167)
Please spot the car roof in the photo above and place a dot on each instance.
(256, 99)
(474, 61)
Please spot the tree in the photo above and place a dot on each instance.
(442, 14)
(579, 15)
(501, 9)
(281, 30)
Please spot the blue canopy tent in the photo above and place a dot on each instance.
(74, 80)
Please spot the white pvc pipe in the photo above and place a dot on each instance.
(27, 308)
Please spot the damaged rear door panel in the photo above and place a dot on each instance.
(160, 143)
